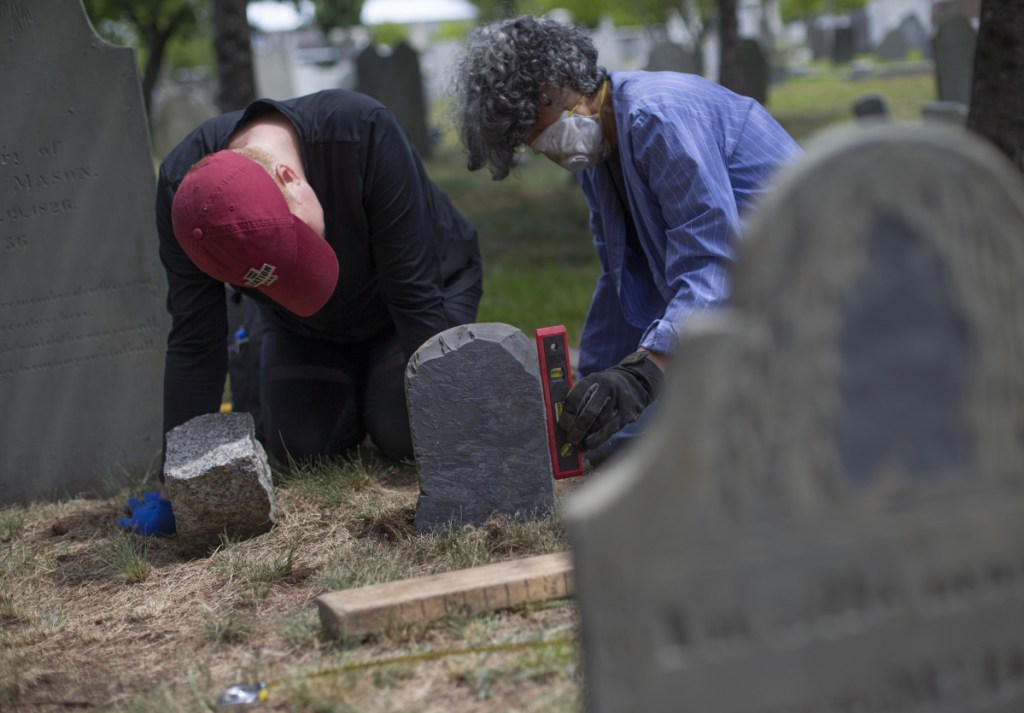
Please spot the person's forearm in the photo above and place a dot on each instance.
(660, 360)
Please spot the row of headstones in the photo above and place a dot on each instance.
(393, 78)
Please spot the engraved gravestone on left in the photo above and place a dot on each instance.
(82, 323)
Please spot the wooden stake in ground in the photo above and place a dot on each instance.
(366, 610)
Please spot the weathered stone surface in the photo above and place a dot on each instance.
(476, 411)
(828, 516)
(82, 317)
(218, 478)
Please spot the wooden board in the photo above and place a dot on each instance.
(366, 610)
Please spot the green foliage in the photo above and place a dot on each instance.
(800, 9)
(389, 34)
(455, 30)
(141, 24)
(336, 13)
(12, 523)
(588, 12)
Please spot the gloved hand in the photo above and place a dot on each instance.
(602, 403)
(153, 519)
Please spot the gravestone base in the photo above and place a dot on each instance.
(218, 479)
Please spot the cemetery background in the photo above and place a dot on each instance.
(93, 619)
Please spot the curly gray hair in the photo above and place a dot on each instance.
(500, 83)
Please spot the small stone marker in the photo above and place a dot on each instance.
(218, 478)
(476, 412)
(82, 316)
(828, 516)
(871, 106)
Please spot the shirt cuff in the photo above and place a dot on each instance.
(662, 337)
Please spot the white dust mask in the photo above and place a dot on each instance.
(574, 142)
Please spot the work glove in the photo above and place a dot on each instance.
(153, 519)
(133, 504)
(602, 403)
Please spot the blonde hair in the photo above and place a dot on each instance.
(268, 162)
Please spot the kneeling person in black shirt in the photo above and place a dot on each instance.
(319, 209)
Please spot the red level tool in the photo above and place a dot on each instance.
(556, 376)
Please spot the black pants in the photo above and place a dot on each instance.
(321, 398)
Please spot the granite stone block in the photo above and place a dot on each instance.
(218, 478)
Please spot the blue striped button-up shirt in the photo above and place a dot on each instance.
(694, 156)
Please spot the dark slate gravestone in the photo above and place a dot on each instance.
(828, 516)
(953, 47)
(395, 80)
(753, 71)
(82, 321)
(476, 411)
(672, 57)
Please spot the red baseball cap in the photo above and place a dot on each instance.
(231, 218)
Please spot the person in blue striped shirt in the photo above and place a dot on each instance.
(668, 163)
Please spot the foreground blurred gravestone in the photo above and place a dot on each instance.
(476, 411)
(395, 81)
(82, 321)
(953, 48)
(829, 515)
(218, 478)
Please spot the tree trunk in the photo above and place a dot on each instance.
(997, 93)
(729, 42)
(233, 44)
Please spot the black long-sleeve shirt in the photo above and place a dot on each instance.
(398, 239)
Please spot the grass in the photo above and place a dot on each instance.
(91, 619)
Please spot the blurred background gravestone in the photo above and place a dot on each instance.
(82, 319)
(175, 114)
(953, 48)
(395, 80)
(753, 71)
(828, 515)
(893, 46)
(476, 412)
(843, 45)
(672, 57)
(915, 36)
